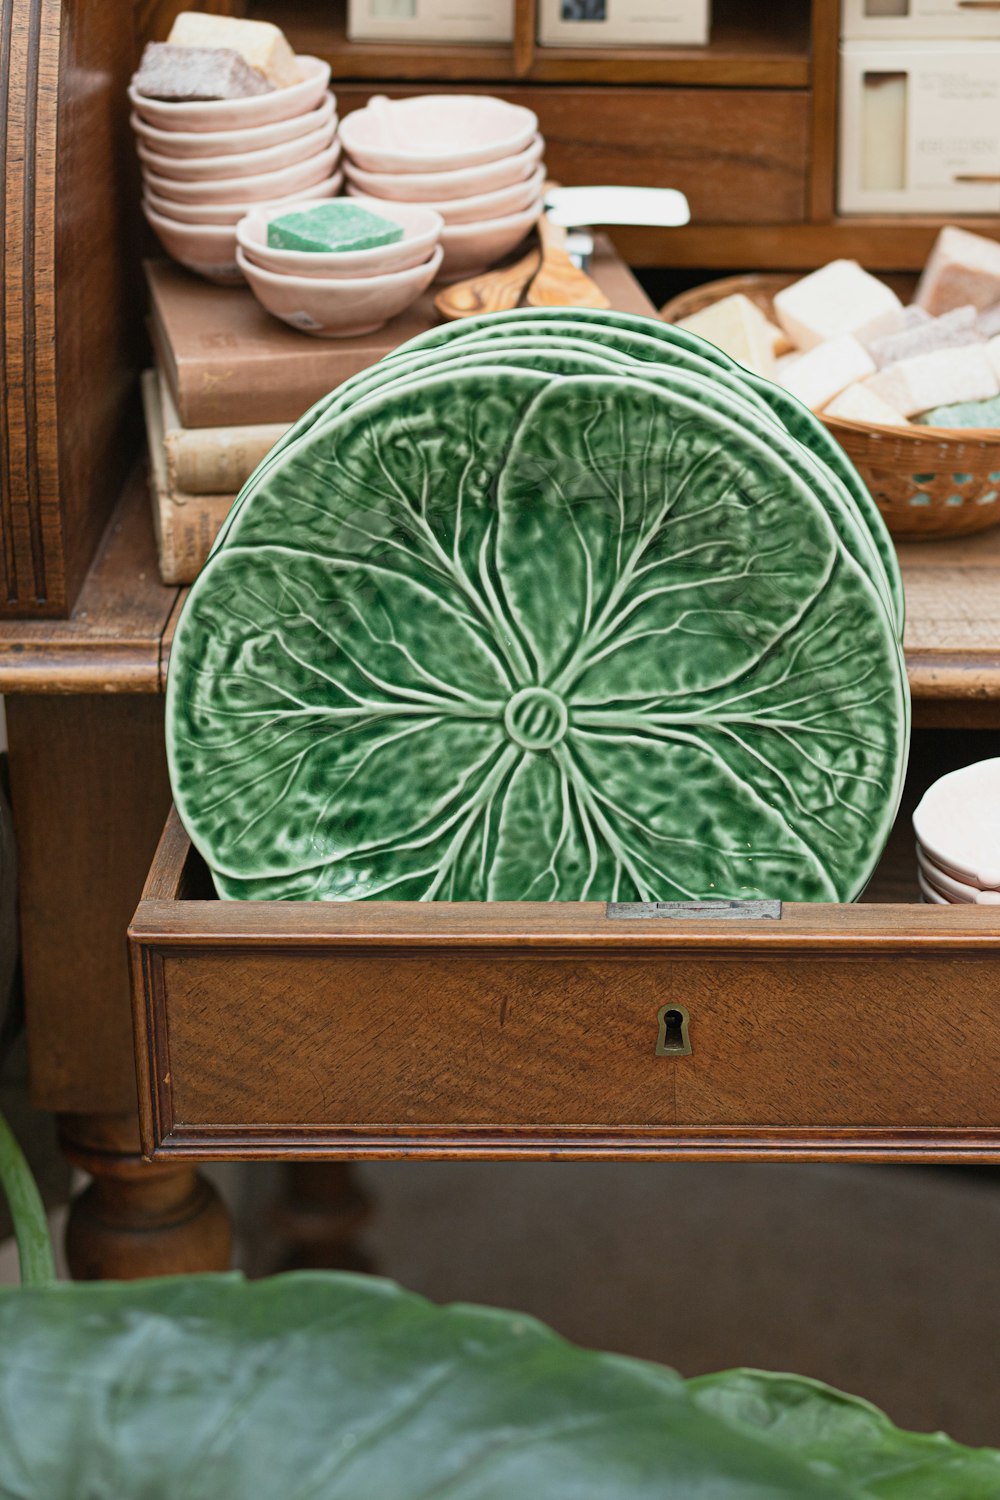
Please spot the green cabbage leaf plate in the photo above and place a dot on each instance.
(499, 636)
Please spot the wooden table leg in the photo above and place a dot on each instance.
(320, 1217)
(90, 795)
(135, 1218)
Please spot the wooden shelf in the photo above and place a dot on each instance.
(881, 244)
(112, 641)
(772, 53)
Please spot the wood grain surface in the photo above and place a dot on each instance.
(740, 155)
(492, 291)
(89, 791)
(530, 1030)
(560, 282)
(68, 428)
(112, 641)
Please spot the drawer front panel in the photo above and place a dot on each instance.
(499, 1039)
(740, 155)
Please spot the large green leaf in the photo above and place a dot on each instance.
(326, 1387)
(846, 1436)
(463, 578)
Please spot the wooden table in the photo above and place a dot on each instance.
(85, 717)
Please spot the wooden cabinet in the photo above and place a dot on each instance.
(865, 1031)
(69, 331)
(746, 126)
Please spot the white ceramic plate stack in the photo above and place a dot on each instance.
(474, 159)
(206, 163)
(957, 825)
(345, 292)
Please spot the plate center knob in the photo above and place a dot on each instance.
(536, 718)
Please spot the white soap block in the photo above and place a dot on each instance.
(945, 378)
(857, 404)
(784, 364)
(823, 372)
(781, 344)
(263, 45)
(993, 354)
(738, 327)
(953, 330)
(962, 268)
(840, 298)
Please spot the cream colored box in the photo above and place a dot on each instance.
(912, 20)
(624, 23)
(920, 128)
(430, 20)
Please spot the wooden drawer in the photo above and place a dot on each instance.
(867, 1032)
(740, 155)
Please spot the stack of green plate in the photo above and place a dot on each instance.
(550, 605)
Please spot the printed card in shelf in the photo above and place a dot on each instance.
(920, 127)
(430, 20)
(624, 23)
(907, 20)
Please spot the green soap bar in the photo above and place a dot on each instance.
(965, 414)
(336, 226)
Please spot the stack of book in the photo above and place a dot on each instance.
(229, 380)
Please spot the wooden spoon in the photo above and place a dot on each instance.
(493, 291)
(560, 283)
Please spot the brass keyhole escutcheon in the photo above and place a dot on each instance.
(673, 1039)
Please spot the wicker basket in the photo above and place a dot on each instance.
(926, 481)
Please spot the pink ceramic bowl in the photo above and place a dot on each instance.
(957, 823)
(237, 114)
(241, 164)
(929, 894)
(435, 132)
(260, 188)
(209, 249)
(335, 309)
(471, 248)
(498, 205)
(952, 889)
(232, 213)
(421, 233)
(435, 187)
(188, 143)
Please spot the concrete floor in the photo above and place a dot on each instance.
(883, 1281)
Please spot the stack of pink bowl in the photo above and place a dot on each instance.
(474, 159)
(205, 164)
(339, 293)
(957, 824)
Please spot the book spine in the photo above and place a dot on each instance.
(186, 527)
(216, 460)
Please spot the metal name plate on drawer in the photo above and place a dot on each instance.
(700, 911)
